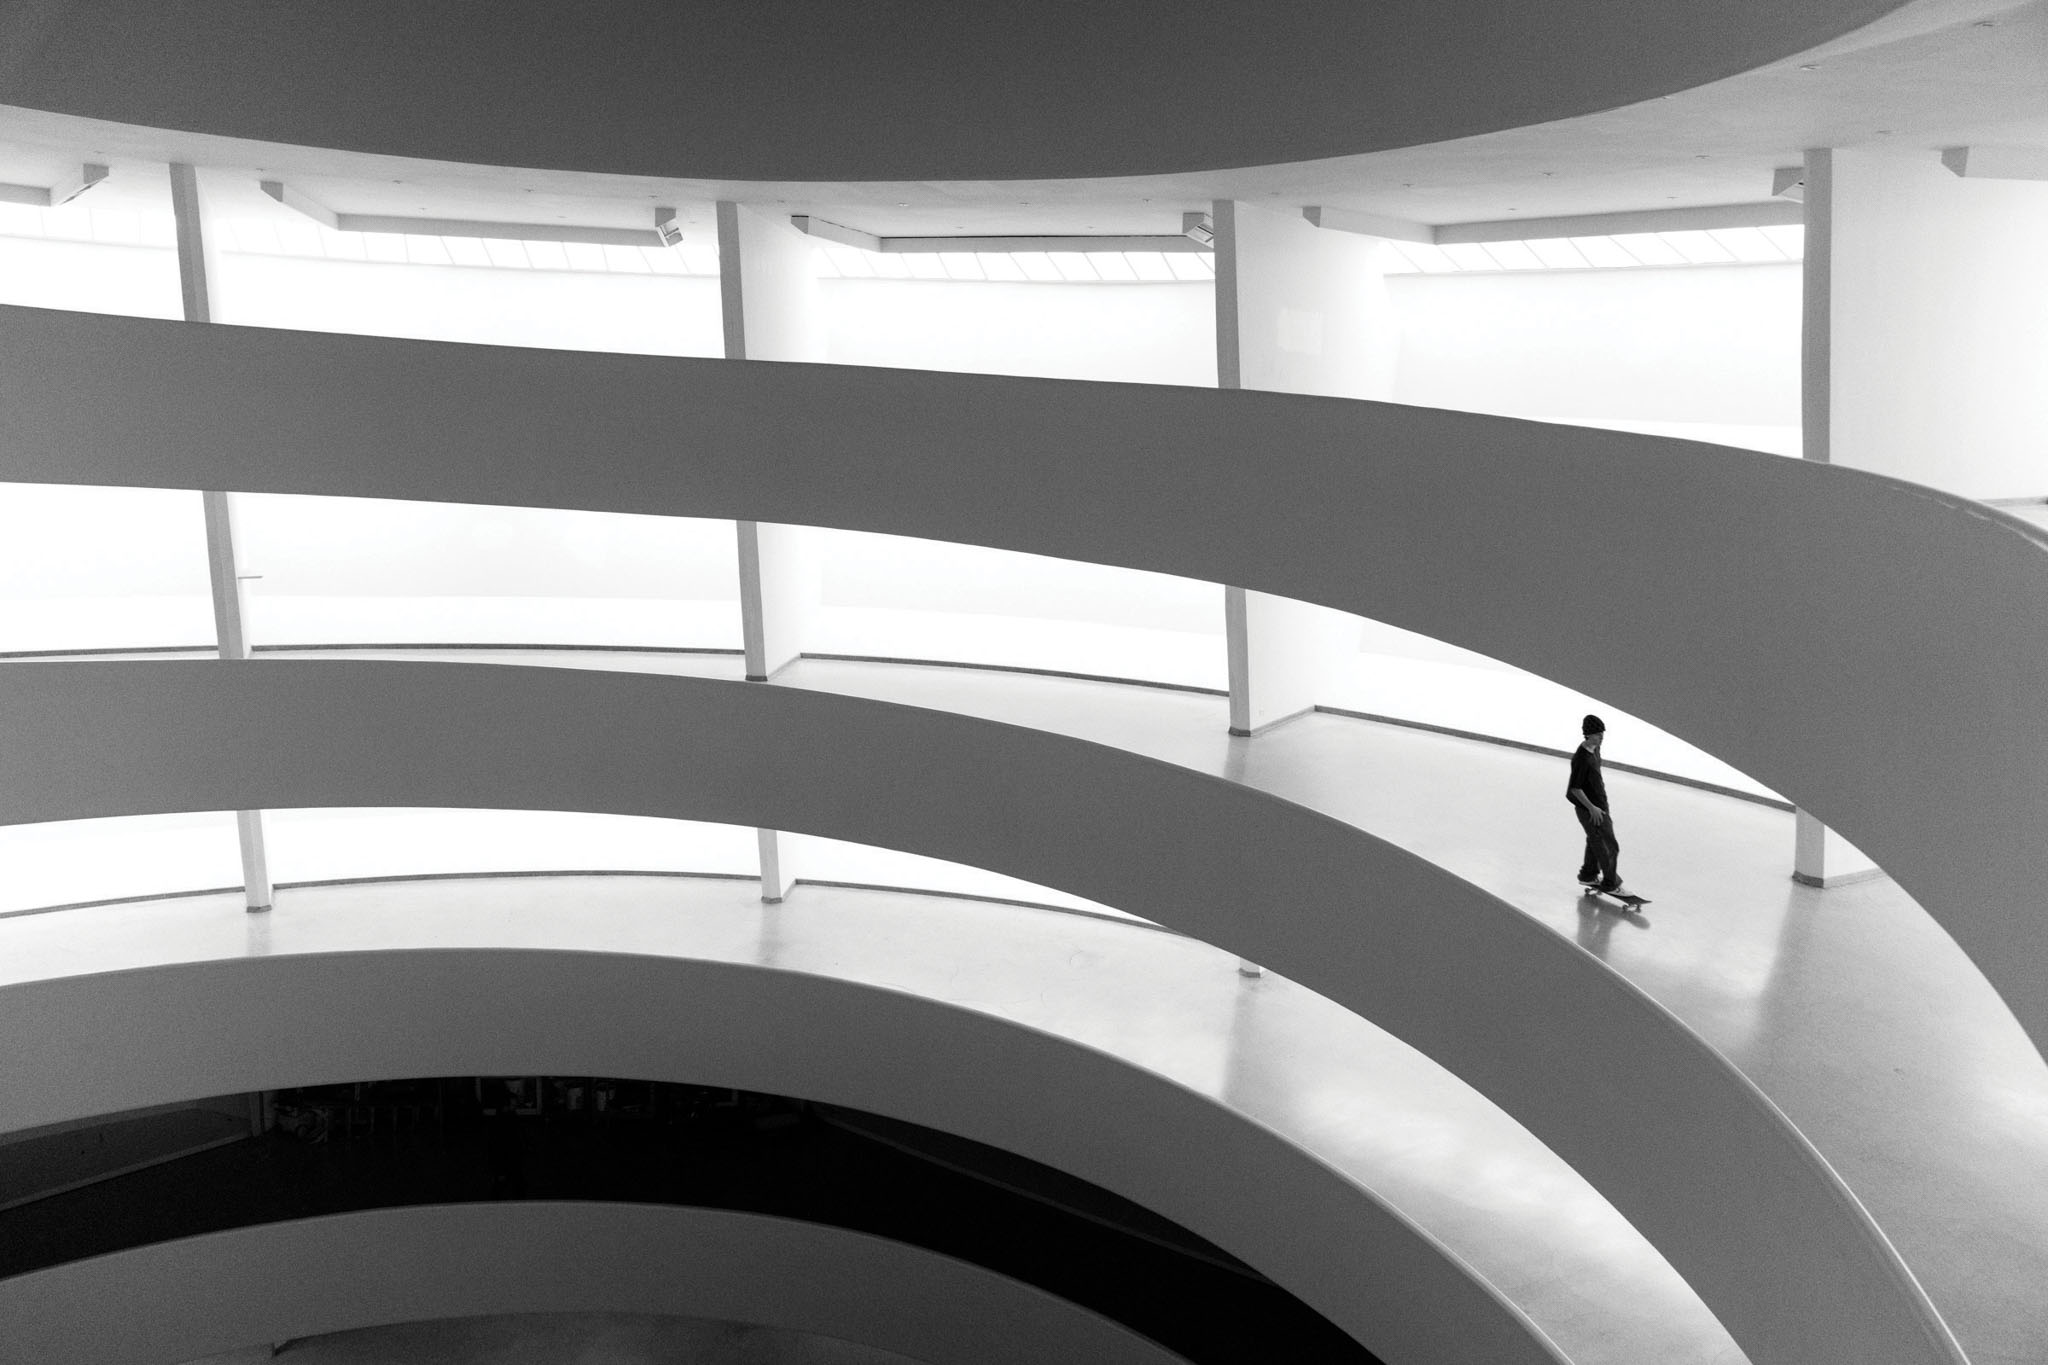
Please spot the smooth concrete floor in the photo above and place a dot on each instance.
(1850, 1007)
(1287, 1058)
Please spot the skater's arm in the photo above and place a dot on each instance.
(1578, 794)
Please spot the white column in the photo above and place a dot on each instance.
(1923, 334)
(196, 281)
(1298, 310)
(768, 286)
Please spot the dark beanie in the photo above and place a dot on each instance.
(1592, 725)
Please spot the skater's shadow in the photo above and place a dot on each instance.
(1597, 920)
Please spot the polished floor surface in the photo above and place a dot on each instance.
(1852, 1010)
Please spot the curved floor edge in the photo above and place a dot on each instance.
(323, 1018)
(205, 1295)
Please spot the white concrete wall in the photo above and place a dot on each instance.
(1137, 333)
(1939, 336)
(1706, 351)
(1305, 310)
(1298, 310)
(644, 314)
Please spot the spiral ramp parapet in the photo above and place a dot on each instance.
(1823, 629)
(787, 91)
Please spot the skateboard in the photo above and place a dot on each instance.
(1629, 902)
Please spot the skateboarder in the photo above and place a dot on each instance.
(1587, 791)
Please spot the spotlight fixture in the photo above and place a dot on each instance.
(1198, 226)
(668, 227)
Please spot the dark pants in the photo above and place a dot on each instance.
(1603, 850)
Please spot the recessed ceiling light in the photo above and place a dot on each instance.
(902, 203)
(1985, 23)
(1809, 66)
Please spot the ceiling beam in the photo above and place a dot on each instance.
(1369, 224)
(1997, 163)
(63, 192)
(1770, 213)
(835, 232)
(868, 241)
(665, 232)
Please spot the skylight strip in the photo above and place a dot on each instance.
(1038, 266)
(1649, 248)
(1697, 247)
(1002, 267)
(852, 264)
(1149, 265)
(1111, 266)
(625, 260)
(1467, 256)
(1514, 256)
(1789, 238)
(426, 251)
(1073, 266)
(548, 255)
(1603, 253)
(1558, 253)
(1747, 245)
(466, 251)
(504, 253)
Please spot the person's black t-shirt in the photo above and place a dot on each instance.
(1586, 778)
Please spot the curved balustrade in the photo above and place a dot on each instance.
(1863, 645)
(205, 1295)
(1711, 1172)
(994, 91)
(312, 1018)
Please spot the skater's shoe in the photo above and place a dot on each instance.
(1611, 888)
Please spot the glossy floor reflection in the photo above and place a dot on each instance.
(1850, 1007)
(1290, 1059)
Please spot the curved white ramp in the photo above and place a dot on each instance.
(274, 1022)
(1713, 1174)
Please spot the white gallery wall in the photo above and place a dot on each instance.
(1709, 352)
(1136, 333)
(1939, 336)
